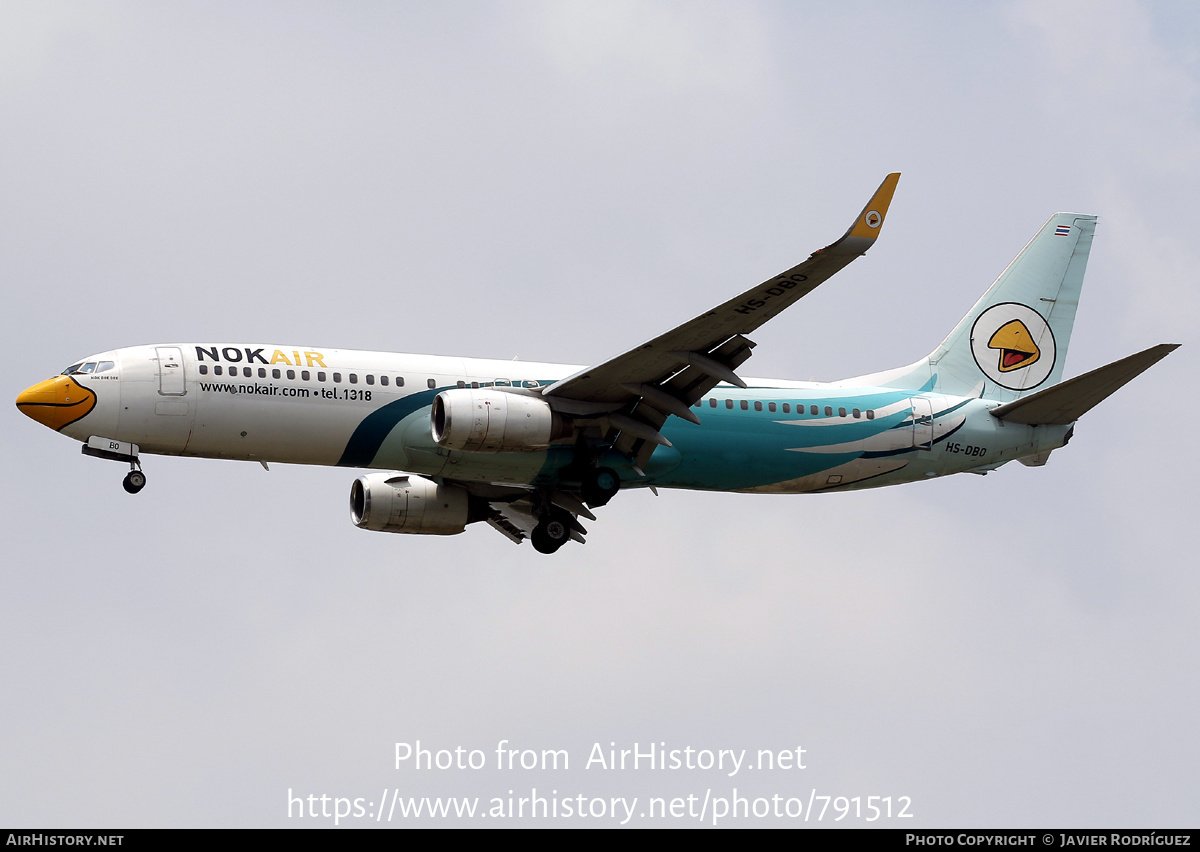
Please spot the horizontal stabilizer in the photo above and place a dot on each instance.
(1068, 401)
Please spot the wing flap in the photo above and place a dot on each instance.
(507, 528)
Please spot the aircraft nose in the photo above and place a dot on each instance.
(56, 402)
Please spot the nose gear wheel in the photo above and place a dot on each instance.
(134, 481)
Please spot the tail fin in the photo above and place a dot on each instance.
(1015, 338)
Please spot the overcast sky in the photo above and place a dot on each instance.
(560, 181)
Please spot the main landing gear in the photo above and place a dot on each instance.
(552, 531)
(600, 485)
(556, 516)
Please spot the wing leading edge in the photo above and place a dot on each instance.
(633, 394)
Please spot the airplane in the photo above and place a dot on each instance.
(531, 448)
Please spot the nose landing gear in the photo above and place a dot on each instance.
(134, 481)
(107, 448)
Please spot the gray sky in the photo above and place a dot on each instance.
(561, 181)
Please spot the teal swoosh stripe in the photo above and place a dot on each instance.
(376, 426)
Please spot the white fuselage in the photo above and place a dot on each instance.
(371, 409)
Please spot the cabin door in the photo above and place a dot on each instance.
(922, 415)
(170, 371)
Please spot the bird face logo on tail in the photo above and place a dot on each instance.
(1013, 346)
(1016, 346)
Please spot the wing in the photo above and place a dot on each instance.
(633, 394)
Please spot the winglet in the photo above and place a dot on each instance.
(871, 218)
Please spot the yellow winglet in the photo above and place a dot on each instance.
(871, 218)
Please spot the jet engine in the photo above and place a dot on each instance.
(484, 420)
(404, 503)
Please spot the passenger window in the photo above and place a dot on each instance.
(337, 377)
(870, 414)
(757, 405)
(383, 380)
(304, 375)
(712, 403)
(461, 383)
(370, 379)
(729, 403)
(204, 369)
(841, 412)
(431, 383)
(262, 372)
(104, 366)
(275, 373)
(320, 377)
(813, 411)
(353, 378)
(217, 370)
(770, 406)
(291, 374)
(787, 409)
(399, 381)
(829, 411)
(473, 384)
(857, 414)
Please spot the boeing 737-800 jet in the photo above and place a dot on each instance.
(531, 448)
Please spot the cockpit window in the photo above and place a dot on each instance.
(89, 367)
(74, 368)
(104, 366)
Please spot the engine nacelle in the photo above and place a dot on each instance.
(404, 503)
(484, 420)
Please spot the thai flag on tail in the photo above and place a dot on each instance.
(1062, 231)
